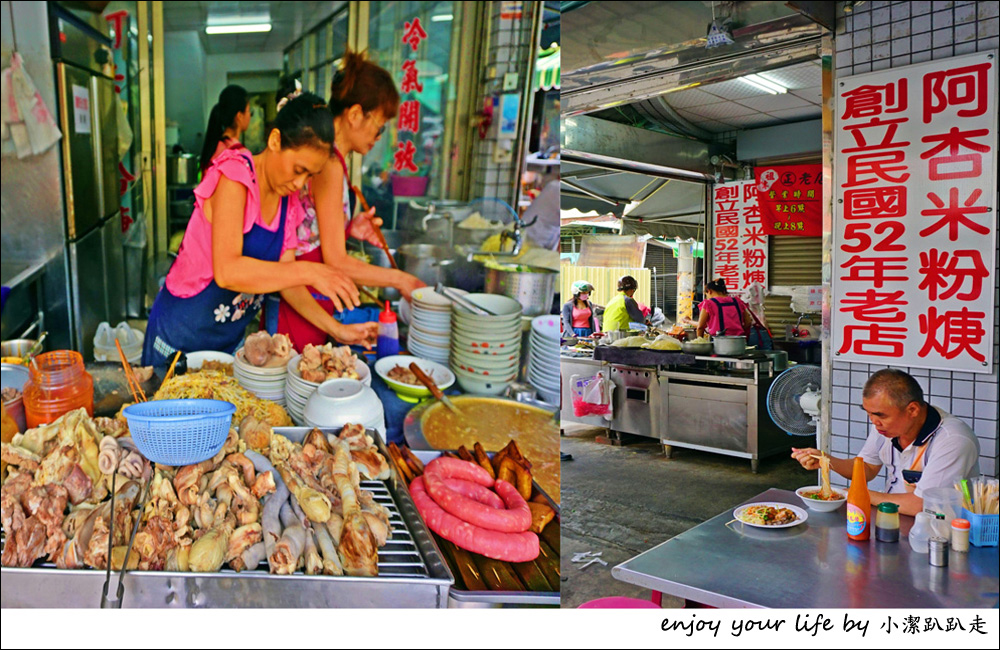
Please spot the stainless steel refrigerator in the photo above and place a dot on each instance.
(88, 112)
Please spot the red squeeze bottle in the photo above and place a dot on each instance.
(859, 505)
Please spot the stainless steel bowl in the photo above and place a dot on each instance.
(533, 289)
(16, 347)
(697, 348)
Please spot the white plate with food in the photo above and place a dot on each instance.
(295, 375)
(780, 515)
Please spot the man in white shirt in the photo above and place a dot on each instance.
(922, 446)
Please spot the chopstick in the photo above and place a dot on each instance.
(170, 373)
(133, 383)
(378, 231)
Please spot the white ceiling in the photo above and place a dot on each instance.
(288, 19)
(733, 105)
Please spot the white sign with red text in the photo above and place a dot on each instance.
(915, 226)
(739, 251)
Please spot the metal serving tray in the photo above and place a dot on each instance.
(412, 572)
(458, 598)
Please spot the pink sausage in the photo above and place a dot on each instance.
(516, 519)
(506, 547)
(455, 468)
(475, 491)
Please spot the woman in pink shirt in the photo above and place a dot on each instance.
(722, 314)
(579, 317)
(227, 123)
(241, 241)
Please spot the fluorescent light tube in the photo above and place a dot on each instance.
(238, 29)
(443, 18)
(766, 84)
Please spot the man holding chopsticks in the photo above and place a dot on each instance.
(922, 446)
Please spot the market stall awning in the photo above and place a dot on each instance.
(547, 69)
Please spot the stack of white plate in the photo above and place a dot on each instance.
(486, 350)
(430, 325)
(265, 383)
(298, 390)
(344, 401)
(543, 357)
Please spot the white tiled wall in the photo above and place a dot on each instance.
(878, 36)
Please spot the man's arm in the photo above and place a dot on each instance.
(908, 502)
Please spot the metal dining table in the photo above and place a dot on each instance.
(724, 563)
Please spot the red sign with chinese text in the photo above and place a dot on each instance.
(408, 120)
(790, 199)
(914, 215)
(739, 252)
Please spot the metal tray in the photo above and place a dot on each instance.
(458, 598)
(412, 572)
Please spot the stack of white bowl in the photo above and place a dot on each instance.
(298, 390)
(430, 325)
(543, 357)
(265, 383)
(486, 350)
(344, 401)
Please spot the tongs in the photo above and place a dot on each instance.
(378, 231)
(462, 301)
(117, 602)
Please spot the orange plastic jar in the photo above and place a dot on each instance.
(58, 383)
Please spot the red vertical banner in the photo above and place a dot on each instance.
(915, 218)
(739, 252)
(790, 199)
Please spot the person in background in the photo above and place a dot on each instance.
(227, 122)
(722, 314)
(623, 309)
(363, 98)
(578, 314)
(240, 243)
(922, 446)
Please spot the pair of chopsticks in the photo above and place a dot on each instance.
(378, 231)
(133, 384)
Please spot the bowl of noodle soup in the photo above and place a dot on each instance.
(812, 496)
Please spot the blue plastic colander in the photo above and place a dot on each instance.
(180, 431)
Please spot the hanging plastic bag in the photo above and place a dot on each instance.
(32, 111)
(592, 396)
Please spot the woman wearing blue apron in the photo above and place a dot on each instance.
(233, 254)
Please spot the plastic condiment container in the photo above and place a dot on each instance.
(920, 532)
(887, 522)
(960, 529)
(57, 384)
(388, 333)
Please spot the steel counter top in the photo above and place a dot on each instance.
(810, 565)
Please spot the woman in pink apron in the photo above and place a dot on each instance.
(722, 314)
(241, 241)
(363, 98)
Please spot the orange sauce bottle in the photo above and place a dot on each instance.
(859, 505)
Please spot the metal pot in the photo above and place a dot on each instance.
(779, 359)
(730, 346)
(182, 169)
(426, 261)
(16, 347)
(533, 289)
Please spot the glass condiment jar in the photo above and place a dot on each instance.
(920, 533)
(960, 529)
(887, 522)
(57, 384)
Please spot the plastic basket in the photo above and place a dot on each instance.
(180, 431)
(985, 529)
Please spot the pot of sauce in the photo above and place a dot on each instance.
(531, 423)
